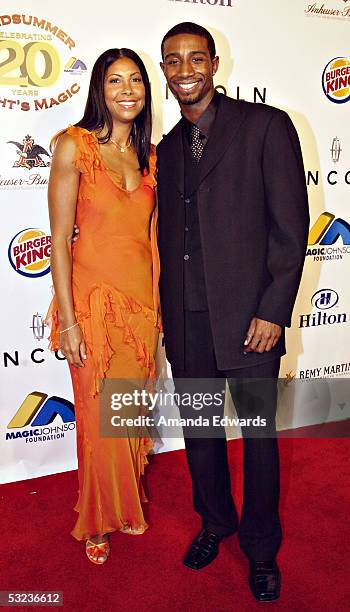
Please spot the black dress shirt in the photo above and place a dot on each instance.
(195, 297)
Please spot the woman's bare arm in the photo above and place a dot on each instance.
(63, 193)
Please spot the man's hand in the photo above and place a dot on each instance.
(261, 336)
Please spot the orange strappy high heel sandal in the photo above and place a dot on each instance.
(97, 553)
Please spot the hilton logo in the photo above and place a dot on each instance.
(325, 299)
(322, 300)
(336, 149)
(211, 2)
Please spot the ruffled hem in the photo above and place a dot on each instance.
(126, 528)
(133, 530)
(104, 301)
(93, 518)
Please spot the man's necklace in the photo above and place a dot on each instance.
(121, 148)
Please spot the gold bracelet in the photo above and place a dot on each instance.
(68, 328)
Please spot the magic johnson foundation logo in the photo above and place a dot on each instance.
(336, 80)
(33, 421)
(75, 66)
(329, 238)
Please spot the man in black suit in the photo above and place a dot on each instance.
(233, 227)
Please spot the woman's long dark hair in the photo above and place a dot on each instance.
(97, 115)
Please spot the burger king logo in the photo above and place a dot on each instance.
(336, 80)
(29, 252)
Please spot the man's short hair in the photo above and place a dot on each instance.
(187, 27)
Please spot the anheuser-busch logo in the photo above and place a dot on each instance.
(335, 9)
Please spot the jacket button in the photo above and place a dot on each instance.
(187, 229)
(187, 200)
(186, 257)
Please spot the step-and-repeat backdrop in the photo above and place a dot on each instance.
(292, 55)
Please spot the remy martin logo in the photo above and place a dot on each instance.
(290, 376)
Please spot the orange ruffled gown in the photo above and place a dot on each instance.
(115, 272)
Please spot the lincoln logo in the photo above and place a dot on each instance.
(336, 149)
(38, 326)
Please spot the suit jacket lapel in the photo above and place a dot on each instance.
(229, 117)
(175, 157)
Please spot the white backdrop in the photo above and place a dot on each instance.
(285, 55)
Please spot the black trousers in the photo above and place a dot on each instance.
(254, 392)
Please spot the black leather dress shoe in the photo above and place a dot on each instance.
(203, 550)
(265, 580)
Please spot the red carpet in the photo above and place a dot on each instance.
(145, 572)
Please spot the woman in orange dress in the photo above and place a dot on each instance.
(104, 314)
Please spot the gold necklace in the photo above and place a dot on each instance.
(121, 148)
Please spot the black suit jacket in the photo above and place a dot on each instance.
(254, 220)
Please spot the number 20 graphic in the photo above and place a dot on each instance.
(26, 59)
